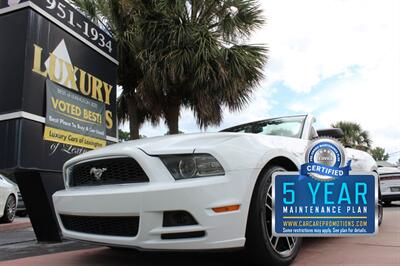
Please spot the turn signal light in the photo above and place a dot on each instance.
(230, 208)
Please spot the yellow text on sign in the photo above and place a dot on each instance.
(62, 136)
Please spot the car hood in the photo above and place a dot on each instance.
(171, 144)
(185, 143)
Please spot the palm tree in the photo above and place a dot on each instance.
(354, 135)
(118, 18)
(132, 109)
(195, 56)
(123, 135)
(379, 154)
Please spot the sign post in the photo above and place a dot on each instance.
(57, 98)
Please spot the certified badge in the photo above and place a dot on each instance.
(324, 199)
(325, 160)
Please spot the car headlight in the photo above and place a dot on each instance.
(192, 165)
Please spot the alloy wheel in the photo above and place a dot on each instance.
(11, 208)
(284, 246)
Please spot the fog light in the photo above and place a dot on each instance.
(178, 218)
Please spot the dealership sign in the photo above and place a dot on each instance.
(325, 199)
(58, 98)
(73, 22)
(74, 119)
(58, 84)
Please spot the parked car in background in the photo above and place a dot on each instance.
(190, 191)
(390, 182)
(8, 199)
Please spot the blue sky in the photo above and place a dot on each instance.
(336, 59)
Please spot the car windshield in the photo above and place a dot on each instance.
(283, 126)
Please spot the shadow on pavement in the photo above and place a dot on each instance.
(107, 256)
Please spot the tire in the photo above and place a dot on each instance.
(380, 208)
(387, 203)
(9, 210)
(261, 246)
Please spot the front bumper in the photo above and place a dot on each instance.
(150, 200)
(391, 197)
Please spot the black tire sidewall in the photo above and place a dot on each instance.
(257, 241)
(380, 208)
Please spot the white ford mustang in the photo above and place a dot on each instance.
(189, 192)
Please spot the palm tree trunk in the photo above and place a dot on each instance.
(133, 118)
(172, 115)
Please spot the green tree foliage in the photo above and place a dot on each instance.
(379, 154)
(195, 56)
(182, 53)
(118, 18)
(123, 135)
(354, 135)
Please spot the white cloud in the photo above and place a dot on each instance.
(311, 40)
(354, 42)
(373, 100)
(316, 40)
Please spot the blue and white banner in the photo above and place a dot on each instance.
(324, 198)
(309, 207)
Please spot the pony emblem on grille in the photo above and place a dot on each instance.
(97, 172)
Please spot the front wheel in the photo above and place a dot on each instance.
(9, 210)
(263, 247)
(380, 208)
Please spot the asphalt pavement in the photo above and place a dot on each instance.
(382, 249)
(17, 240)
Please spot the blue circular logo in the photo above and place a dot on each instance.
(325, 153)
(324, 157)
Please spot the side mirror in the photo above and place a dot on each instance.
(336, 133)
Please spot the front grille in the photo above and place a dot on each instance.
(113, 171)
(101, 225)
